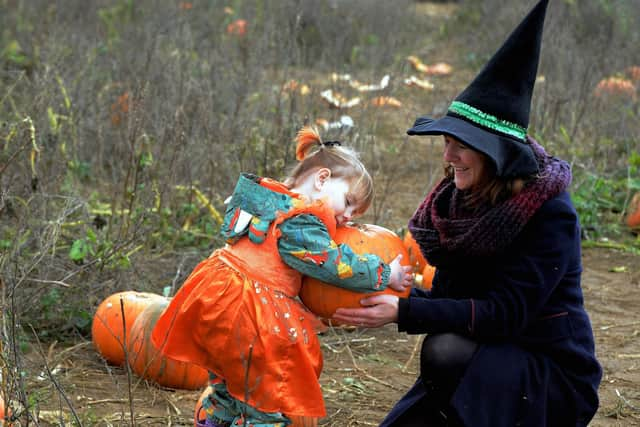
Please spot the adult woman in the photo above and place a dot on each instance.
(509, 341)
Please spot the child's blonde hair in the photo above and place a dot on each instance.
(313, 154)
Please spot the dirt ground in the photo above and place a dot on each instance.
(366, 370)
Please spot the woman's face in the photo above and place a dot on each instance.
(469, 166)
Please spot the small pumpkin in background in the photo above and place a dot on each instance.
(421, 267)
(417, 260)
(633, 215)
(323, 298)
(107, 330)
(633, 72)
(148, 362)
(237, 28)
(424, 279)
(4, 415)
(615, 87)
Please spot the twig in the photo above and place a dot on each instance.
(72, 348)
(626, 402)
(176, 277)
(53, 380)
(53, 282)
(413, 354)
(362, 371)
(126, 360)
(173, 405)
(620, 325)
(96, 402)
(610, 245)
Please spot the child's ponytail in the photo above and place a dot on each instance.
(307, 138)
(313, 153)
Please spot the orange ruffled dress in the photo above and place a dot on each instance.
(237, 314)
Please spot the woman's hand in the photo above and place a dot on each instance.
(378, 310)
(400, 277)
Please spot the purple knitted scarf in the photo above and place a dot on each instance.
(441, 226)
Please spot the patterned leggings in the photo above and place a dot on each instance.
(223, 410)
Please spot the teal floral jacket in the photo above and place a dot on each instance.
(305, 243)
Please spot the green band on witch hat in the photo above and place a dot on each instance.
(487, 120)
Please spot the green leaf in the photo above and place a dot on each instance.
(53, 120)
(82, 319)
(91, 235)
(146, 159)
(79, 250)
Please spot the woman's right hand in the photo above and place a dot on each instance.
(376, 311)
(400, 277)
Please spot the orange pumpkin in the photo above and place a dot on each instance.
(148, 362)
(107, 331)
(323, 299)
(4, 416)
(415, 255)
(237, 28)
(634, 73)
(381, 101)
(199, 416)
(427, 276)
(617, 87)
(633, 215)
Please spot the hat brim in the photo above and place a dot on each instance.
(510, 157)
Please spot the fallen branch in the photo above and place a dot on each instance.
(413, 354)
(363, 372)
(626, 402)
(620, 325)
(53, 379)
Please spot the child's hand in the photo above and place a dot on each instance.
(400, 277)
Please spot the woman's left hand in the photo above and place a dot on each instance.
(377, 311)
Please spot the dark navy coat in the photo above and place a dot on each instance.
(536, 364)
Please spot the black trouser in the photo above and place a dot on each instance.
(443, 361)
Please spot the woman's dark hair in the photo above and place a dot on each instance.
(494, 190)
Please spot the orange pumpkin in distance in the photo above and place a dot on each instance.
(4, 416)
(615, 87)
(323, 299)
(148, 362)
(237, 28)
(107, 332)
(633, 217)
(415, 255)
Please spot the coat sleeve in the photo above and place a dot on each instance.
(305, 245)
(528, 273)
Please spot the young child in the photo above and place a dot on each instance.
(237, 314)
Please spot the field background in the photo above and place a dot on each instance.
(124, 125)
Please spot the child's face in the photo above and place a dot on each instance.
(336, 192)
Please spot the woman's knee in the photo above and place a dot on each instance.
(444, 353)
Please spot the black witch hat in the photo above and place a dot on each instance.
(492, 113)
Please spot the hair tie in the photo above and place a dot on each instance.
(331, 143)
